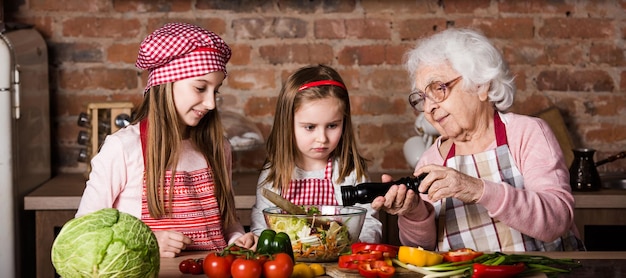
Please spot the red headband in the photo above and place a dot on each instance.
(321, 83)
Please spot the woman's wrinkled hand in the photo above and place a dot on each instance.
(398, 200)
(443, 182)
(171, 243)
(248, 241)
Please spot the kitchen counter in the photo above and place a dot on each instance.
(63, 192)
(56, 202)
(594, 264)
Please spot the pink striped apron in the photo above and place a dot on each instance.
(462, 225)
(313, 191)
(194, 210)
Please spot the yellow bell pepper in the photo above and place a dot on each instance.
(418, 256)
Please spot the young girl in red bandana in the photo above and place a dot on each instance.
(312, 150)
(171, 167)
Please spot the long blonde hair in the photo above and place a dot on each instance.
(281, 143)
(163, 146)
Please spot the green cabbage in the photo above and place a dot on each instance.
(106, 243)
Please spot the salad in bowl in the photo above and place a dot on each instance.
(320, 235)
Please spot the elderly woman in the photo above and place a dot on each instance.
(495, 181)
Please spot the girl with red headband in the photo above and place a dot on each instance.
(312, 149)
(171, 167)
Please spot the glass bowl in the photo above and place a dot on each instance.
(321, 235)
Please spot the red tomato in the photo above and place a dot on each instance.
(216, 266)
(280, 266)
(196, 267)
(244, 268)
(184, 265)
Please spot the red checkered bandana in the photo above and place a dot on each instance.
(178, 51)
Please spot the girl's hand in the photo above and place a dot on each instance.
(248, 240)
(398, 200)
(171, 243)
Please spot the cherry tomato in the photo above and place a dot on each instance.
(280, 266)
(196, 267)
(243, 268)
(184, 266)
(217, 266)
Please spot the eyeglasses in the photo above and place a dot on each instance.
(436, 91)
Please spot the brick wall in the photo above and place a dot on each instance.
(568, 54)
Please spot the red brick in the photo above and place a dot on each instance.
(399, 7)
(216, 25)
(98, 78)
(101, 27)
(622, 84)
(580, 80)
(362, 55)
(412, 29)
(577, 28)
(611, 55)
(330, 29)
(297, 53)
(368, 28)
(260, 106)
(565, 54)
(386, 81)
(393, 158)
(241, 54)
(251, 79)
(376, 105)
(606, 132)
(70, 5)
(126, 6)
(530, 103)
(76, 52)
(505, 28)
(258, 28)
(463, 6)
(123, 53)
(520, 79)
(535, 6)
(395, 53)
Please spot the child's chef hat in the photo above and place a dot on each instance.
(178, 51)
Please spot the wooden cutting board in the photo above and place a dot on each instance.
(333, 271)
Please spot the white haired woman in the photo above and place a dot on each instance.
(495, 181)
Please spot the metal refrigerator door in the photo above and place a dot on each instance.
(31, 111)
(30, 129)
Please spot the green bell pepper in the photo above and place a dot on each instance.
(271, 242)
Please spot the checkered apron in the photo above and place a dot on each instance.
(312, 191)
(462, 225)
(194, 211)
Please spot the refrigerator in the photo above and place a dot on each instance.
(25, 157)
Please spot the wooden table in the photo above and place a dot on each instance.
(594, 264)
(56, 202)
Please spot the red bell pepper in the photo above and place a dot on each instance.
(497, 271)
(376, 269)
(352, 261)
(388, 251)
(460, 255)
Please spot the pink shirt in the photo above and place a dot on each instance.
(543, 210)
(116, 178)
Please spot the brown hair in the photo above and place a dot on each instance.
(281, 146)
(162, 151)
